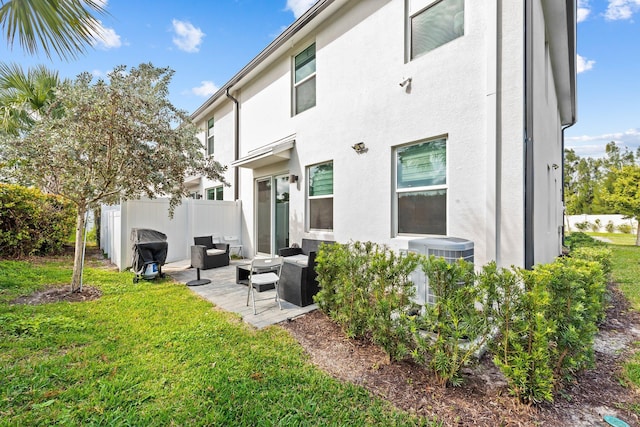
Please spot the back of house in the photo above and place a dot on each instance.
(392, 120)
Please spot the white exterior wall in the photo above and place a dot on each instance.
(470, 89)
(547, 146)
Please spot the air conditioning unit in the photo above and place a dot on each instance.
(449, 248)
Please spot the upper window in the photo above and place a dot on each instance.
(320, 200)
(304, 84)
(215, 193)
(439, 23)
(210, 137)
(421, 188)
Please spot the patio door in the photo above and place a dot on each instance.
(272, 214)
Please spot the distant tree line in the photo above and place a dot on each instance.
(607, 185)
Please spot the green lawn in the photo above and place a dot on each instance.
(155, 354)
(626, 273)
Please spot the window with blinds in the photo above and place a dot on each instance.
(304, 85)
(215, 193)
(320, 196)
(439, 23)
(421, 188)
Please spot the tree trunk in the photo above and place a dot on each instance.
(77, 259)
(638, 233)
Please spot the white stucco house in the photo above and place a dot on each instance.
(390, 120)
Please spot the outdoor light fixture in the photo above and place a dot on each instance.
(359, 147)
(405, 82)
(293, 179)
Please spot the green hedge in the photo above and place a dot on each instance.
(540, 324)
(33, 223)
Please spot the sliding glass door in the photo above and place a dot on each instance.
(272, 214)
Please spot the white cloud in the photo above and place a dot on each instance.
(188, 37)
(206, 89)
(621, 9)
(584, 9)
(299, 7)
(584, 64)
(594, 145)
(106, 38)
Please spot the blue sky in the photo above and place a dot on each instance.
(206, 42)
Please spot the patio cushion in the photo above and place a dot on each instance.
(300, 259)
(215, 251)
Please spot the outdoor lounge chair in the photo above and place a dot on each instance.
(208, 254)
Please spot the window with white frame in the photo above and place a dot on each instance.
(215, 193)
(320, 199)
(210, 138)
(436, 24)
(421, 188)
(304, 82)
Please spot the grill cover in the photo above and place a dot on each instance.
(148, 246)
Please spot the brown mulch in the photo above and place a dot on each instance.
(57, 294)
(483, 400)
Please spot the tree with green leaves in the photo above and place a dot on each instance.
(624, 195)
(101, 142)
(65, 27)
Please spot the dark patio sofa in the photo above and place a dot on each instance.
(298, 282)
(205, 254)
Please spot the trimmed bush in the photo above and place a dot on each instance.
(577, 240)
(363, 287)
(33, 223)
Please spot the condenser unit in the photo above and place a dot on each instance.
(449, 248)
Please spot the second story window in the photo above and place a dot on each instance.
(210, 137)
(437, 24)
(215, 193)
(304, 82)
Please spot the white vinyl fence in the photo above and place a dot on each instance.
(599, 222)
(191, 218)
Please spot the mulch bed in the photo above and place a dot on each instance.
(483, 400)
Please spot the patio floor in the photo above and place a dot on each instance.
(224, 292)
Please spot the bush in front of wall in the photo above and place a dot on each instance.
(364, 287)
(577, 289)
(455, 326)
(578, 239)
(625, 228)
(33, 223)
(517, 304)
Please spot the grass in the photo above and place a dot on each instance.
(626, 273)
(153, 353)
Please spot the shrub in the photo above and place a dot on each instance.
(583, 226)
(577, 239)
(597, 224)
(33, 223)
(625, 228)
(522, 346)
(364, 288)
(454, 326)
(610, 227)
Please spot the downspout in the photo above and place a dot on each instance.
(492, 232)
(529, 257)
(236, 143)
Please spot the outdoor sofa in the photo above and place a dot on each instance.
(298, 282)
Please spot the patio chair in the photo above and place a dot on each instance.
(213, 255)
(264, 271)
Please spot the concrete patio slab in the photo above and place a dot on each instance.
(224, 292)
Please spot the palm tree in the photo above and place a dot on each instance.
(63, 26)
(24, 94)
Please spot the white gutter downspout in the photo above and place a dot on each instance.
(236, 143)
(493, 137)
(529, 249)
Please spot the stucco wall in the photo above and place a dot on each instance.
(360, 63)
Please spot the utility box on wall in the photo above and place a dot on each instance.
(449, 248)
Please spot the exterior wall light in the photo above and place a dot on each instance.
(359, 147)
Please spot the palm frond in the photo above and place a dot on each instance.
(65, 27)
